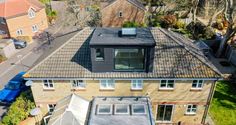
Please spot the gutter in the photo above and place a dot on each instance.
(209, 100)
(152, 121)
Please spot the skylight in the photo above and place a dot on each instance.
(104, 109)
(121, 109)
(138, 109)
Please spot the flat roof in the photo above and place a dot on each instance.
(129, 118)
(110, 37)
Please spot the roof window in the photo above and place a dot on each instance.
(138, 109)
(104, 109)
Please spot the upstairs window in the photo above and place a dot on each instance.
(197, 84)
(120, 14)
(137, 84)
(167, 84)
(99, 54)
(129, 59)
(107, 84)
(191, 109)
(31, 13)
(78, 84)
(48, 84)
(19, 32)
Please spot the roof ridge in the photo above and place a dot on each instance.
(80, 32)
(205, 61)
(127, 1)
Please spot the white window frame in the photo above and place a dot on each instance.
(31, 13)
(108, 87)
(35, 28)
(135, 84)
(126, 113)
(120, 14)
(191, 109)
(109, 113)
(197, 86)
(49, 108)
(48, 88)
(19, 32)
(145, 110)
(166, 85)
(78, 84)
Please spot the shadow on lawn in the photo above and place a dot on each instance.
(225, 100)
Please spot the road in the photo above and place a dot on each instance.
(27, 58)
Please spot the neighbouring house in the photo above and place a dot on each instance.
(106, 110)
(7, 48)
(151, 62)
(115, 12)
(22, 18)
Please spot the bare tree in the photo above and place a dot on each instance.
(231, 29)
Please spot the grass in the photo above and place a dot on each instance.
(223, 106)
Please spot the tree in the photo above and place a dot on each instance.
(229, 13)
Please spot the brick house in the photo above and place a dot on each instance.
(115, 12)
(22, 18)
(151, 62)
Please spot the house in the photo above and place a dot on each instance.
(22, 18)
(115, 12)
(7, 48)
(102, 110)
(151, 62)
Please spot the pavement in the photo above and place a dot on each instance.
(27, 58)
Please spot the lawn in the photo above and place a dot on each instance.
(223, 106)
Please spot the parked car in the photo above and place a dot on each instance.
(13, 89)
(19, 43)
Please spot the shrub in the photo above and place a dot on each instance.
(2, 58)
(179, 25)
(208, 33)
(168, 21)
(19, 110)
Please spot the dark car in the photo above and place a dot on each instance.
(13, 89)
(19, 43)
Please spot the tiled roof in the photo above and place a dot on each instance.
(12, 8)
(173, 59)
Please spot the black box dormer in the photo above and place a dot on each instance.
(122, 50)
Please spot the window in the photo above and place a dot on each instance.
(121, 109)
(167, 84)
(34, 28)
(99, 54)
(51, 107)
(164, 113)
(107, 84)
(104, 109)
(197, 84)
(2, 20)
(129, 59)
(31, 13)
(78, 84)
(19, 32)
(138, 109)
(191, 109)
(137, 84)
(48, 84)
(120, 14)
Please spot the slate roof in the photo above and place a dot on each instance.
(136, 3)
(121, 119)
(109, 36)
(175, 57)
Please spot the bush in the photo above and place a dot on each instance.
(168, 21)
(179, 25)
(19, 110)
(2, 58)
